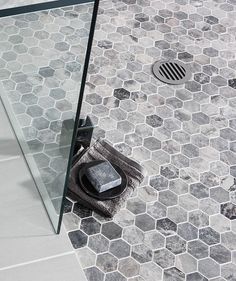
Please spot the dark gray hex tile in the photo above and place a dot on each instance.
(168, 198)
(209, 268)
(185, 56)
(164, 258)
(154, 121)
(141, 17)
(195, 276)
(121, 94)
(166, 226)
(104, 44)
(106, 262)
(180, 15)
(198, 249)
(169, 171)
(209, 236)
(114, 276)
(129, 267)
(90, 226)
(78, 239)
(98, 243)
(211, 20)
(156, 210)
(220, 254)
(46, 71)
(176, 244)
(173, 273)
(136, 206)
(187, 231)
(228, 210)
(145, 222)
(120, 248)
(141, 253)
(159, 182)
(152, 143)
(81, 211)
(232, 83)
(111, 230)
(199, 190)
(94, 274)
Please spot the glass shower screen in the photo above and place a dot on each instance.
(44, 54)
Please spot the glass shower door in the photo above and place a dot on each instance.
(44, 54)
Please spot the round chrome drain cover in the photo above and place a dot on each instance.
(172, 72)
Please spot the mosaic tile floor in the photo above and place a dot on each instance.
(181, 223)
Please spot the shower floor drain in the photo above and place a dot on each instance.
(172, 72)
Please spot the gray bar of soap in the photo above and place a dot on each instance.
(103, 176)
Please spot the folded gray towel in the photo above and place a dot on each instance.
(101, 150)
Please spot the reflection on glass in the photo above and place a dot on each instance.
(41, 63)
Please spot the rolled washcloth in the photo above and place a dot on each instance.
(101, 150)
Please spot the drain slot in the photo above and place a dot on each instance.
(172, 72)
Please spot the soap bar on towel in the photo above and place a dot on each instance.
(103, 176)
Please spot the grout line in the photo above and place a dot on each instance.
(37, 260)
(10, 158)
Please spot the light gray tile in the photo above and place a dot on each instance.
(26, 232)
(54, 269)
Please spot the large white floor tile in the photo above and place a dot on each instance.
(65, 268)
(26, 232)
